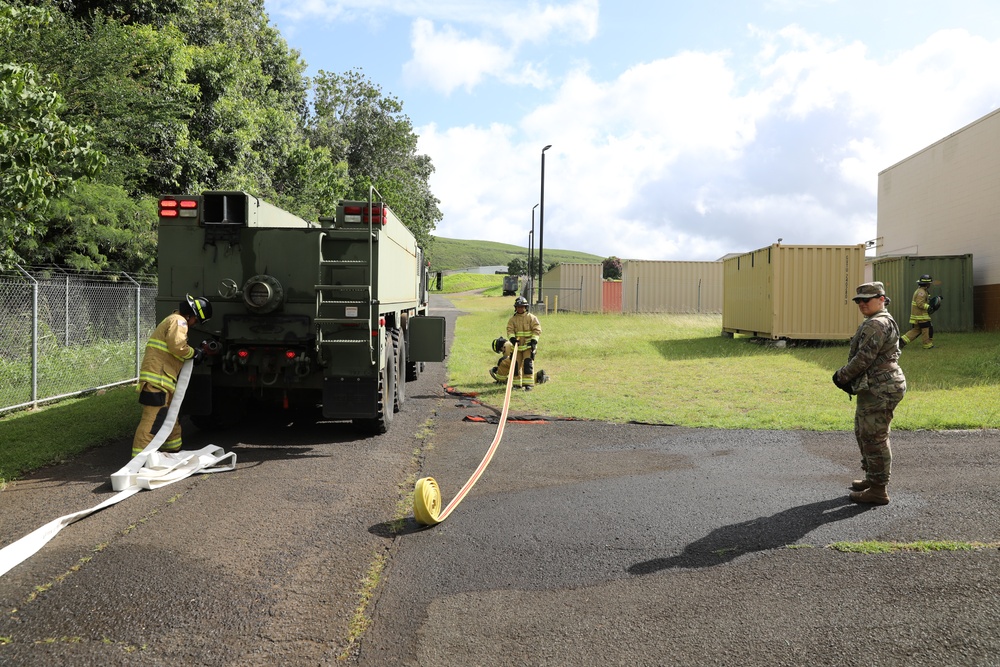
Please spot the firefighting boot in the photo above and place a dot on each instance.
(860, 484)
(493, 374)
(928, 345)
(874, 494)
(903, 340)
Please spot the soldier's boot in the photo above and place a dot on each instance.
(903, 340)
(874, 494)
(860, 484)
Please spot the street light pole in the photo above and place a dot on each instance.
(541, 226)
(531, 253)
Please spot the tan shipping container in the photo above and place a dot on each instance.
(793, 292)
(574, 287)
(671, 287)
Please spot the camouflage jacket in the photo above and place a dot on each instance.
(874, 353)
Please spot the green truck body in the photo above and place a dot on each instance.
(329, 315)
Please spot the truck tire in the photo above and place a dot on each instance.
(400, 347)
(386, 396)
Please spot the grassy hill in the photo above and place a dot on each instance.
(449, 254)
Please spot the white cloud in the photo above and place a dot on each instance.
(698, 155)
(445, 60)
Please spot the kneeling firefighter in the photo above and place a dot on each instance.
(502, 347)
(166, 351)
(523, 330)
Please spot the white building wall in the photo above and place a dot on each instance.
(945, 200)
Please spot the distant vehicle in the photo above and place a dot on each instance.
(511, 285)
(328, 315)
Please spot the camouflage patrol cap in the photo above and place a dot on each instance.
(869, 291)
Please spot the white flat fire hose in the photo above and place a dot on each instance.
(150, 469)
(426, 494)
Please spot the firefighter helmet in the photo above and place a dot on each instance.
(498, 344)
(924, 280)
(520, 301)
(199, 307)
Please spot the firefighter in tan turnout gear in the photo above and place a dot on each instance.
(166, 351)
(874, 376)
(921, 307)
(523, 330)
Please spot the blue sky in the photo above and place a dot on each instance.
(679, 130)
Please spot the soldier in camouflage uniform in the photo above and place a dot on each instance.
(874, 376)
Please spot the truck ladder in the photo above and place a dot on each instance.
(345, 305)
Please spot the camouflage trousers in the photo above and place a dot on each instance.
(872, 419)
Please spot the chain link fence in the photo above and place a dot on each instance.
(63, 334)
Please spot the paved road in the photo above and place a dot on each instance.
(583, 544)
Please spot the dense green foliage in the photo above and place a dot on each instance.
(106, 105)
(451, 254)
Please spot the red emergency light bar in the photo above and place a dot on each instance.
(360, 214)
(169, 208)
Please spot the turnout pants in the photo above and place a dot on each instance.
(154, 411)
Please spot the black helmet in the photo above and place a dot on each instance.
(520, 301)
(197, 306)
(924, 280)
(498, 344)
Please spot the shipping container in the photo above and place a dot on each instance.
(952, 279)
(671, 287)
(793, 292)
(574, 287)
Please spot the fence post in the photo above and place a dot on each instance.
(34, 335)
(66, 311)
(138, 324)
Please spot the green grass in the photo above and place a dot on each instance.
(32, 439)
(922, 546)
(678, 369)
(451, 254)
(490, 284)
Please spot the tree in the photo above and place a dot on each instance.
(97, 227)
(40, 153)
(360, 126)
(517, 267)
(612, 268)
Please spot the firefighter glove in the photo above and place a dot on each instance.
(199, 354)
(513, 340)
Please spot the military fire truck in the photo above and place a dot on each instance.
(328, 315)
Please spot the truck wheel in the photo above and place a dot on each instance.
(386, 392)
(397, 342)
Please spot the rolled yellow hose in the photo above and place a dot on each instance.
(427, 494)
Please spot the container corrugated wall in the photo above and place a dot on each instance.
(671, 287)
(952, 276)
(795, 292)
(578, 287)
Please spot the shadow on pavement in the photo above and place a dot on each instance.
(778, 530)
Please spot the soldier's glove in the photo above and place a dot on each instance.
(843, 386)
